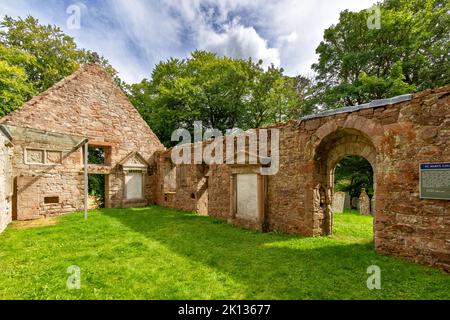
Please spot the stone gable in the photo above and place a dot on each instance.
(48, 171)
(90, 104)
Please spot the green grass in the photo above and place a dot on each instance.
(354, 227)
(155, 253)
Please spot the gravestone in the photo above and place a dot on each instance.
(364, 203)
(247, 196)
(347, 202)
(338, 204)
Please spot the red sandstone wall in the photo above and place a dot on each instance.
(415, 228)
(86, 104)
(395, 138)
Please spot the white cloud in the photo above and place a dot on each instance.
(283, 32)
(239, 42)
(308, 19)
(135, 35)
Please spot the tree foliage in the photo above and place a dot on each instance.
(408, 53)
(352, 174)
(15, 88)
(221, 92)
(33, 57)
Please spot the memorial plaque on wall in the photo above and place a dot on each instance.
(435, 181)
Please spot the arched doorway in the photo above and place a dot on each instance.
(330, 151)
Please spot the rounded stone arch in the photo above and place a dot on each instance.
(359, 148)
(357, 136)
(367, 127)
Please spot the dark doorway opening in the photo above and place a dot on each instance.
(353, 208)
(97, 191)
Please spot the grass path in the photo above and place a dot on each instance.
(156, 253)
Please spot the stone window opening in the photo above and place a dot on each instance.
(97, 191)
(99, 155)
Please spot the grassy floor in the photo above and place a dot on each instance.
(156, 253)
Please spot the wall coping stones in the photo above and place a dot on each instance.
(372, 104)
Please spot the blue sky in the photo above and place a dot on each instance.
(134, 35)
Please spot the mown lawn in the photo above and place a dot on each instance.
(155, 253)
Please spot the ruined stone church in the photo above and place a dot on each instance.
(47, 136)
(42, 168)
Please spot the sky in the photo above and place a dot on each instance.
(134, 35)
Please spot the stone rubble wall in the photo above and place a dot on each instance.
(393, 138)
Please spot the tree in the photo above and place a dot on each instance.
(352, 174)
(219, 91)
(42, 55)
(408, 53)
(272, 97)
(305, 86)
(15, 88)
(56, 54)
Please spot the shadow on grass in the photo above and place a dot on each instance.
(281, 266)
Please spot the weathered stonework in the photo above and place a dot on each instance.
(48, 158)
(364, 203)
(394, 135)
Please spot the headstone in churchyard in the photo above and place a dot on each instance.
(347, 202)
(364, 203)
(338, 202)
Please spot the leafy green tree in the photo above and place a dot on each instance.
(39, 56)
(15, 88)
(272, 97)
(56, 53)
(219, 91)
(352, 174)
(305, 87)
(408, 53)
